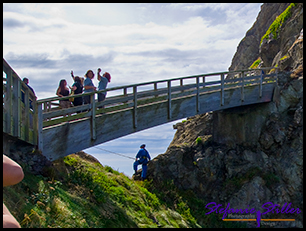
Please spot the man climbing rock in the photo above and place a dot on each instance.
(143, 157)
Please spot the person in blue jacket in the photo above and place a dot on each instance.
(142, 157)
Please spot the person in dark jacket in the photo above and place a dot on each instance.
(26, 81)
(142, 157)
(77, 87)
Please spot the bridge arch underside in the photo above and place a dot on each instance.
(68, 138)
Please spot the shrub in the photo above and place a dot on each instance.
(199, 140)
(278, 22)
(256, 63)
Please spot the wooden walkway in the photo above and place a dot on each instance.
(131, 108)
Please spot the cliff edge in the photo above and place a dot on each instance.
(249, 155)
(272, 40)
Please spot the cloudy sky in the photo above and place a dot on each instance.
(133, 42)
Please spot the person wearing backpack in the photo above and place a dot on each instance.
(142, 157)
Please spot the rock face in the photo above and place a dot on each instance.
(248, 49)
(250, 155)
(283, 50)
(257, 159)
(24, 154)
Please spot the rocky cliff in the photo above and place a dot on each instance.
(272, 40)
(250, 155)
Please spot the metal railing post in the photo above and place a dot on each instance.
(155, 89)
(16, 113)
(40, 127)
(198, 95)
(182, 84)
(222, 90)
(93, 116)
(169, 98)
(35, 122)
(242, 87)
(8, 102)
(260, 84)
(26, 113)
(204, 81)
(135, 107)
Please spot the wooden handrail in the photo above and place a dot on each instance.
(152, 82)
(145, 97)
(20, 117)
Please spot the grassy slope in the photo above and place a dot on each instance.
(80, 193)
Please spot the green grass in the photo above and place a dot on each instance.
(274, 28)
(79, 193)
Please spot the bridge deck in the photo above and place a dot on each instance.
(137, 111)
(132, 108)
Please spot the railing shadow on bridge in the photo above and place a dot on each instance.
(136, 107)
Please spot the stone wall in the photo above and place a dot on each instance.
(24, 154)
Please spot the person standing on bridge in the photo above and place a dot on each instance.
(63, 91)
(88, 85)
(81, 78)
(103, 81)
(143, 157)
(26, 81)
(77, 87)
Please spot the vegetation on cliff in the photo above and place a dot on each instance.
(248, 48)
(278, 22)
(256, 63)
(79, 192)
(282, 44)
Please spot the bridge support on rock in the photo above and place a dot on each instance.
(136, 107)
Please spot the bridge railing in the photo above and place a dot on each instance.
(25, 117)
(137, 95)
(19, 107)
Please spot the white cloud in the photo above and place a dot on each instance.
(151, 49)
